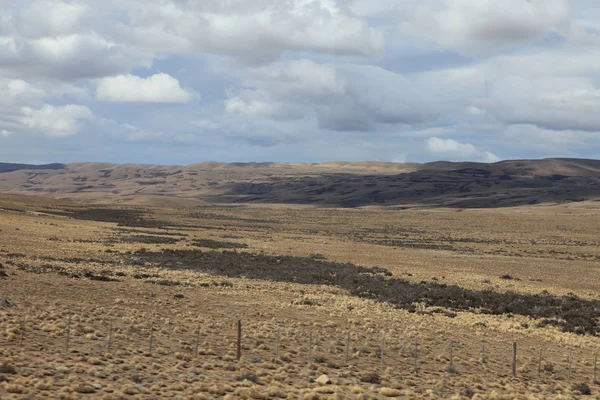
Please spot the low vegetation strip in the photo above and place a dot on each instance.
(570, 313)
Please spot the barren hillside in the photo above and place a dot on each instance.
(508, 183)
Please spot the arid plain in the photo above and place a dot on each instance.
(139, 301)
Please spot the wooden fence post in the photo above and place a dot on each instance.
(569, 365)
(278, 345)
(347, 347)
(197, 347)
(416, 354)
(451, 354)
(514, 359)
(68, 333)
(22, 338)
(110, 335)
(310, 346)
(483, 357)
(382, 364)
(239, 339)
(596, 368)
(151, 338)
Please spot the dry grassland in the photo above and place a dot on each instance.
(188, 274)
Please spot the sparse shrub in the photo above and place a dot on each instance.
(305, 301)
(320, 360)
(582, 389)
(6, 368)
(250, 376)
(548, 368)
(468, 392)
(451, 369)
(215, 244)
(373, 378)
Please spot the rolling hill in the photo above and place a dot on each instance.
(336, 184)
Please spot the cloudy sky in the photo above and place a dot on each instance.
(184, 81)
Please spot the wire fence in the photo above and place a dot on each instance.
(235, 339)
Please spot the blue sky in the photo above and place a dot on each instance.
(179, 82)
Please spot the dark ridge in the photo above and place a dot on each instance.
(9, 167)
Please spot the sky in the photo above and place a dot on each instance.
(184, 81)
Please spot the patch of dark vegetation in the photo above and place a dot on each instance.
(317, 256)
(215, 244)
(582, 389)
(305, 301)
(3, 273)
(372, 378)
(146, 239)
(166, 282)
(509, 277)
(145, 276)
(220, 217)
(14, 255)
(103, 277)
(142, 232)
(570, 313)
(217, 284)
(6, 368)
(6, 303)
(121, 216)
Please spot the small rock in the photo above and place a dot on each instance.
(323, 380)
(84, 388)
(97, 386)
(62, 369)
(5, 303)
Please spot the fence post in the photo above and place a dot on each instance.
(569, 364)
(151, 338)
(110, 335)
(347, 347)
(514, 359)
(278, 344)
(451, 354)
(596, 368)
(68, 335)
(239, 339)
(310, 346)
(540, 362)
(197, 347)
(416, 354)
(483, 357)
(382, 351)
(22, 333)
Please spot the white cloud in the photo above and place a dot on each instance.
(158, 88)
(339, 97)
(482, 25)
(46, 18)
(457, 151)
(71, 39)
(55, 121)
